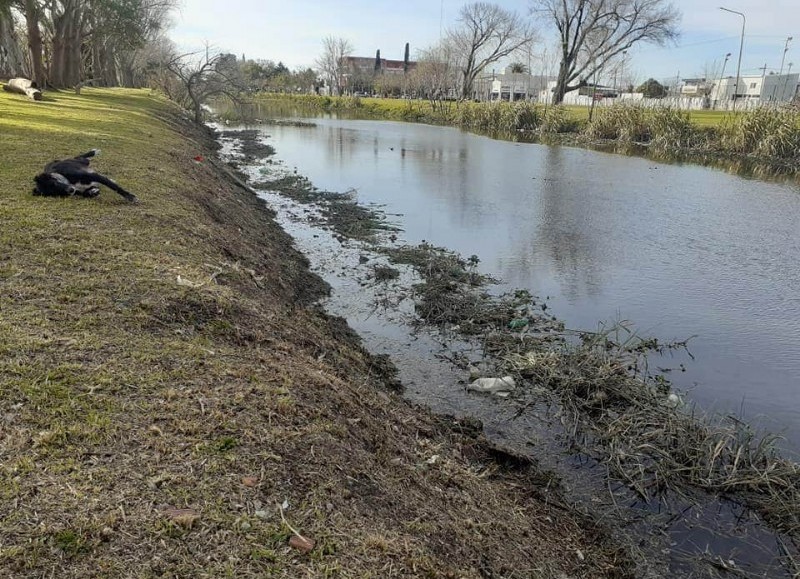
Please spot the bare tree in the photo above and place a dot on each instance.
(436, 77)
(592, 32)
(204, 76)
(332, 63)
(485, 34)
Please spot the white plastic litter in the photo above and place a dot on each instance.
(493, 385)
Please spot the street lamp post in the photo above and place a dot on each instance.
(785, 50)
(741, 47)
(721, 76)
(786, 81)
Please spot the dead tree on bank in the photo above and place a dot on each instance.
(203, 76)
(593, 32)
(486, 33)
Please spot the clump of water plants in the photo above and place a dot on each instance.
(645, 435)
(765, 132)
(626, 124)
(453, 294)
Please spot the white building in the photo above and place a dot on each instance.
(755, 90)
(694, 87)
(510, 86)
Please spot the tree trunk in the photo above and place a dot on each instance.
(65, 67)
(11, 58)
(110, 76)
(561, 84)
(32, 17)
(23, 86)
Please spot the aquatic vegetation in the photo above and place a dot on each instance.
(772, 133)
(627, 124)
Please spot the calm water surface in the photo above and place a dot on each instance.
(678, 250)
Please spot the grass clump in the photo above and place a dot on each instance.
(769, 133)
(452, 294)
(626, 124)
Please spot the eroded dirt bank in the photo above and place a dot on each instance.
(172, 403)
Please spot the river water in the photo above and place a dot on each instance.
(679, 251)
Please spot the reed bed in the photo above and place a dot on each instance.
(664, 129)
(770, 133)
(649, 439)
(626, 124)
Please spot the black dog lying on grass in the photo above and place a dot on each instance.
(75, 177)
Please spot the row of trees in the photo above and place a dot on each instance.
(592, 36)
(62, 43)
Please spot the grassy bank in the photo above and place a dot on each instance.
(172, 404)
(761, 141)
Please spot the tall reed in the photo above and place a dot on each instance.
(764, 132)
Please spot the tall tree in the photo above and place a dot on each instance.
(332, 63)
(436, 76)
(485, 34)
(68, 21)
(592, 32)
(11, 58)
(33, 16)
(71, 41)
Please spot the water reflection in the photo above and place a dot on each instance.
(565, 230)
(679, 250)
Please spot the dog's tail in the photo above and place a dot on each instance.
(89, 154)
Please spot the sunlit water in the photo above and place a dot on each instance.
(677, 250)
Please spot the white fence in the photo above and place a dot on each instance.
(682, 103)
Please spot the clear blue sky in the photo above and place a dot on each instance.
(291, 31)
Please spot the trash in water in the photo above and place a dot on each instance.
(493, 385)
